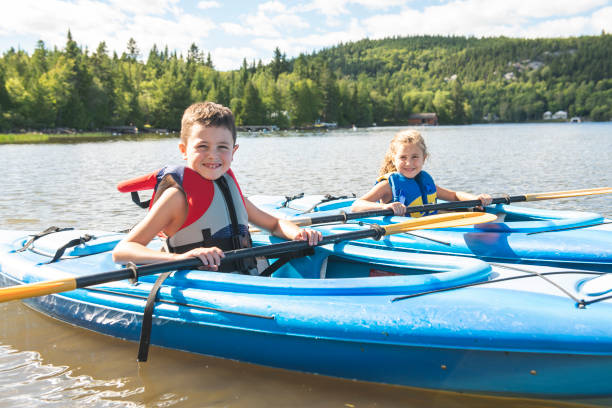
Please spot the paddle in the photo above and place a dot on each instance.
(343, 217)
(376, 231)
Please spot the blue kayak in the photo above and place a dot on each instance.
(521, 234)
(349, 311)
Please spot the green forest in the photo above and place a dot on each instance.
(461, 79)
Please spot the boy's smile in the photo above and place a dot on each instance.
(209, 150)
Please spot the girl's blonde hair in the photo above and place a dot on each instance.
(400, 139)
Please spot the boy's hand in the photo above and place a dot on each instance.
(306, 234)
(485, 199)
(397, 207)
(210, 257)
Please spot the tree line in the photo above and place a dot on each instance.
(461, 79)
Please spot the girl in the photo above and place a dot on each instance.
(403, 183)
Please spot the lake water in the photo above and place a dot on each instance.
(47, 363)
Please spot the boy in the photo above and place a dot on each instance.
(199, 207)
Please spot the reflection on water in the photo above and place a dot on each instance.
(47, 363)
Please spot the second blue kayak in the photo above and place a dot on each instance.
(521, 234)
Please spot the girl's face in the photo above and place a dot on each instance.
(409, 160)
(209, 150)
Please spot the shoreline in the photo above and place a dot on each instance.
(40, 138)
(85, 137)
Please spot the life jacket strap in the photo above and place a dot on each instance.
(136, 200)
(238, 240)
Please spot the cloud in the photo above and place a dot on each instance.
(208, 4)
(90, 22)
(271, 20)
(333, 8)
(147, 7)
(226, 59)
(602, 20)
(293, 46)
(520, 18)
(273, 7)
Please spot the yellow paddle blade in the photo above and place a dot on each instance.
(36, 289)
(569, 193)
(448, 220)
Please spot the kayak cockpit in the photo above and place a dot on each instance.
(334, 269)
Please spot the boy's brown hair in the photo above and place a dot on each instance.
(208, 114)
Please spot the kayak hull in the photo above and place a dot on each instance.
(474, 333)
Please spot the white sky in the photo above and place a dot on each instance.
(233, 30)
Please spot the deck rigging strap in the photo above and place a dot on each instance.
(580, 303)
(72, 243)
(570, 228)
(599, 299)
(147, 318)
(288, 199)
(50, 230)
(326, 198)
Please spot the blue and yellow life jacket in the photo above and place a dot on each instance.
(411, 192)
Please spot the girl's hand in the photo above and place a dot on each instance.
(306, 234)
(210, 257)
(398, 208)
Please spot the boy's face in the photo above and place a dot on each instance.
(209, 150)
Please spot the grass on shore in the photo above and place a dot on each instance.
(25, 138)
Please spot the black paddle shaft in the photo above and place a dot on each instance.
(323, 219)
(282, 248)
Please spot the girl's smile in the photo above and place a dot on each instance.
(409, 160)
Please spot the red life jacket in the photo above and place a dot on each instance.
(216, 210)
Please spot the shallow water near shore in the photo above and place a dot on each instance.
(44, 362)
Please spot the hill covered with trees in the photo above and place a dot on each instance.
(461, 79)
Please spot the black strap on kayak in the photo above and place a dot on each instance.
(282, 260)
(329, 197)
(569, 228)
(326, 198)
(580, 303)
(147, 318)
(288, 199)
(50, 230)
(77, 241)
